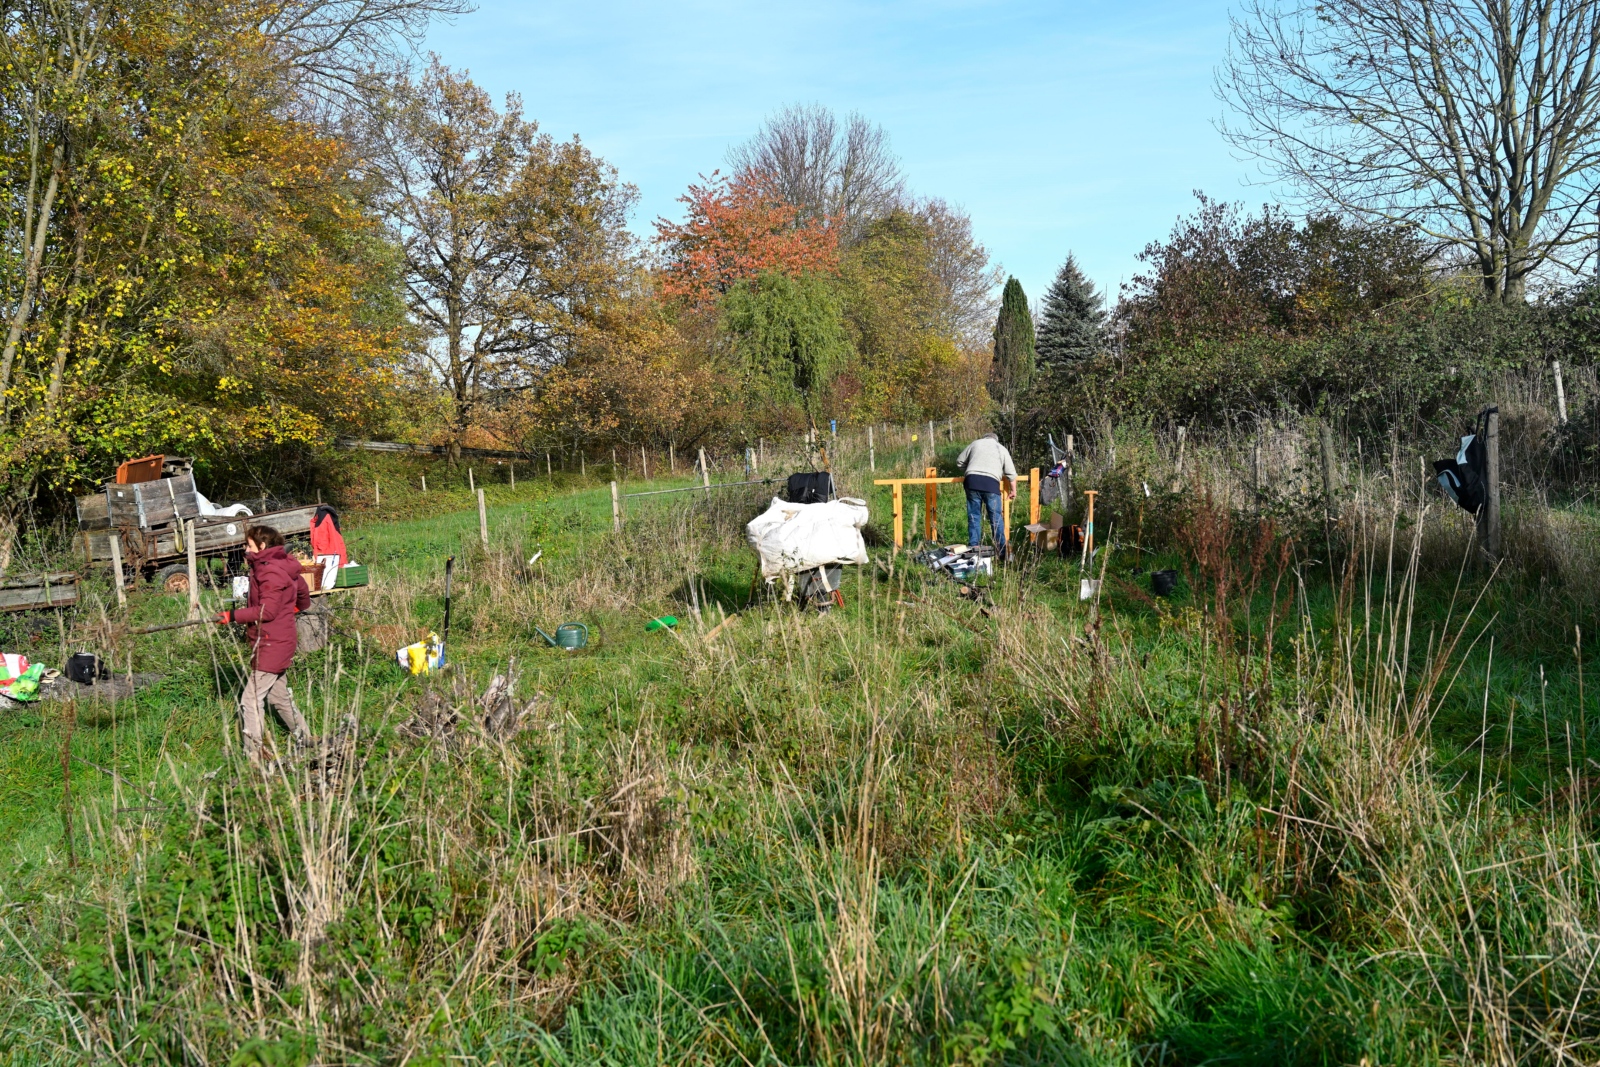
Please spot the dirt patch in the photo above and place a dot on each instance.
(116, 687)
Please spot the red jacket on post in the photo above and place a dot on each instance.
(277, 593)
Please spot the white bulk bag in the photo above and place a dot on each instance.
(798, 537)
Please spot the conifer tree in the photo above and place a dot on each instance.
(1071, 319)
(1014, 358)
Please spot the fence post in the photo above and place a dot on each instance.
(1330, 484)
(424, 485)
(1033, 496)
(513, 474)
(1561, 394)
(483, 520)
(933, 442)
(930, 498)
(644, 462)
(899, 516)
(194, 573)
(116, 568)
(1489, 518)
(547, 472)
(872, 452)
(705, 472)
(672, 457)
(472, 481)
(616, 509)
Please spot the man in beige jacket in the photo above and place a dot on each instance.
(989, 471)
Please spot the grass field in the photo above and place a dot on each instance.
(1331, 804)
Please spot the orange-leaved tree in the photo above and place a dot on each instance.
(736, 227)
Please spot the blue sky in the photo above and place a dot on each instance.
(1080, 127)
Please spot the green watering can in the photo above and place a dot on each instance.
(569, 635)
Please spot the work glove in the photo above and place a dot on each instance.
(223, 618)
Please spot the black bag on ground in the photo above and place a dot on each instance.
(1465, 479)
(85, 667)
(809, 487)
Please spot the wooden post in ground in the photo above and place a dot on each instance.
(1489, 515)
(472, 481)
(1033, 496)
(930, 501)
(644, 462)
(116, 569)
(1088, 528)
(1330, 486)
(424, 485)
(872, 452)
(377, 494)
(548, 473)
(616, 508)
(672, 457)
(1561, 394)
(513, 474)
(1183, 434)
(583, 465)
(705, 473)
(194, 572)
(483, 520)
(899, 516)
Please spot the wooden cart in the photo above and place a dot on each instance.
(142, 526)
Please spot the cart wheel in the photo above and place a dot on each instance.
(173, 579)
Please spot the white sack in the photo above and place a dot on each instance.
(207, 508)
(797, 537)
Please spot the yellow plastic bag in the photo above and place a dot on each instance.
(422, 657)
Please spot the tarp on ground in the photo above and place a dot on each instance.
(798, 537)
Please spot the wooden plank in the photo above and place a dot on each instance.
(93, 512)
(27, 594)
(123, 505)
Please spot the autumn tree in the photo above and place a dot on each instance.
(736, 227)
(201, 273)
(513, 243)
(1224, 274)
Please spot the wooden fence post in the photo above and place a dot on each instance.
(1489, 517)
(472, 482)
(1561, 394)
(116, 569)
(899, 516)
(548, 473)
(930, 500)
(1033, 496)
(1183, 436)
(1330, 485)
(644, 462)
(377, 494)
(616, 509)
(194, 573)
(705, 472)
(424, 485)
(672, 457)
(872, 452)
(513, 474)
(483, 520)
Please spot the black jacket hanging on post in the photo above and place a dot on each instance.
(1465, 479)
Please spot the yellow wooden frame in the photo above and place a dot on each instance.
(930, 511)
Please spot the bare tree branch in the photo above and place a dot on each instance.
(1475, 121)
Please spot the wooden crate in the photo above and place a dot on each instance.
(146, 505)
(30, 592)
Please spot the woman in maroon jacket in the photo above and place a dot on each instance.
(277, 594)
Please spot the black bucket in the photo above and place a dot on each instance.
(1162, 583)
